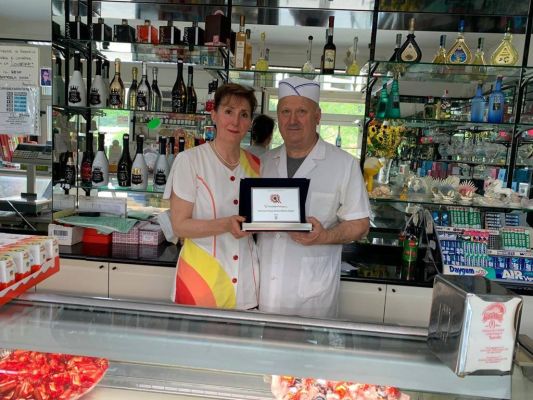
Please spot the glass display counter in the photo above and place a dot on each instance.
(182, 352)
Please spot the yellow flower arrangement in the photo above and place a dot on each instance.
(383, 139)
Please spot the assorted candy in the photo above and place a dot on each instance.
(291, 388)
(48, 376)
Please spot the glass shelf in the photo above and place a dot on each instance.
(137, 113)
(348, 5)
(487, 164)
(413, 122)
(422, 72)
(478, 202)
(200, 56)
(465, 7)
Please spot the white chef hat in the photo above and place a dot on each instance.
(297, 86)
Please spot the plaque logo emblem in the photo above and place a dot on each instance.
(275, 198)
(493, 314)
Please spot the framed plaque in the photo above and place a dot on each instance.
(274, 204)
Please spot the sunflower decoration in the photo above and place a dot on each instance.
(383, 139)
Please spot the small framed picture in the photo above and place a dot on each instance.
(46, 77)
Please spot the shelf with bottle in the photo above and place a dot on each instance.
(471, 8)
(478, 202)
(449, 124)
(167, 117)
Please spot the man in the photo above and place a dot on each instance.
(262, 130)
(300, 271)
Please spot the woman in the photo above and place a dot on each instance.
(218, 264)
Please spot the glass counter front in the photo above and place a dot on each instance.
(191, 352)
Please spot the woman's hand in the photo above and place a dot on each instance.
(234, 226)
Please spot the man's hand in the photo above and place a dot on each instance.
(316, 236)
(234, 226)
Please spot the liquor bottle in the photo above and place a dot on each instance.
(101, 31)
(496, 103)
(70, 173)
(169, 34)
(181, 144)
(248, 50)
(479, 69)
(477, 111)
(240, 45)
(179, 91)
(394, 100)
(58, 84)
(338, 139)
(147, 33)
(444, 107)
(155, 104)
(430, 108)
(262, 63)
(105, 77)
(171, 151)
(191, 93)
(308, 68)
(330, 50)
(124, 163)
(161, 166)
(210, 101)
(116, 88)
(139, 169)
(87, 164)
(100, 168)
(383, 102)
(396, 53)
(460, 52)
(505, 53)
(410, 52)
(123, 32)
(76, 87)
(132, 92)
(99, 92)
(353, 68)
(440, 57)
(144, 93)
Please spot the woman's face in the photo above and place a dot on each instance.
(233, 119)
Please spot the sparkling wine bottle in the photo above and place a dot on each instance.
(124, 163)
(116, 89)
(179, 91)
(87, 164)
(58, 84)
(144, 93)
(76, 88)
(98, 93)
(100, 169)
(191, 93)
(139, 169)
(132, 92)
(161, 166)
(155, 104)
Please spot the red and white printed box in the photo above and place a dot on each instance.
(151, 234)
(132, 237)
(7, 271)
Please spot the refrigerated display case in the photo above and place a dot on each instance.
(161, 351)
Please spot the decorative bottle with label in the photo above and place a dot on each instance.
(139, 169)
(70, 173)
(155, 104)
(100, 169)
(308, 68)
(440, 57)
(505, 53)
(76, 87)
(144, 93)
(98, 93)
(132, 92)
(460, 52)
(240, 45)
(58, 84)
(394, 100)
(87, 159)
(124, 163)
(330, 50)
(179, 91)
(410, 52)
(479, 69)
(116, 89)
(105, 78)
(383, 102)
(248, 50)
(191, 93)
(444, 106)
(262, 62)
(353, 68)
(477, 110)
(496, 103)
(161, 166)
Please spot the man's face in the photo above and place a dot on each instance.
(298, 118)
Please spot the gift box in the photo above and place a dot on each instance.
(132, 237)
(193, 35)
(102, 32)
(169, 34)
(151, 234)
(66, 235)
(91, 235)
(217, 28)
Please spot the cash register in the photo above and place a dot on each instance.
(30, 155)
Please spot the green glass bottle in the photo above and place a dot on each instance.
(394, 100)
(383, 102)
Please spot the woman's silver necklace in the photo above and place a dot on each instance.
(232, 165)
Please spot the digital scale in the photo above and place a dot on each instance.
(30, 155)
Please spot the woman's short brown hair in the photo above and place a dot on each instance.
(233, 89)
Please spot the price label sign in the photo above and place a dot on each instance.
(19, 111)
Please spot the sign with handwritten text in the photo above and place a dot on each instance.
(19, 65)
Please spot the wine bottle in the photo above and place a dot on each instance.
(171, 151)
(124, 163)
(132, 93)
(116, 88)
(479, 69)
(444, 106)
(98, 93)
(144, 93)
(383, 102)
(161, 166)
(70, 173)
(58, 84)
(396, 53)
(496, 103)
(394, 100)
(181, 144)
(240, 45)
(139, 169)
(410, 52)
(179, 91)
(353, 68)
(505, 53)
(330, 50)
(308, 68)
(262, 63)
(100, 169)
(155, 103)
(478, 105)
(210, 101)
(460, 52)
(87, 164)
(105, 78)
(76, 87)
(248, 50)
(191, 93)
(338, 139)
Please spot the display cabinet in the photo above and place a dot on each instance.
(191, 352)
